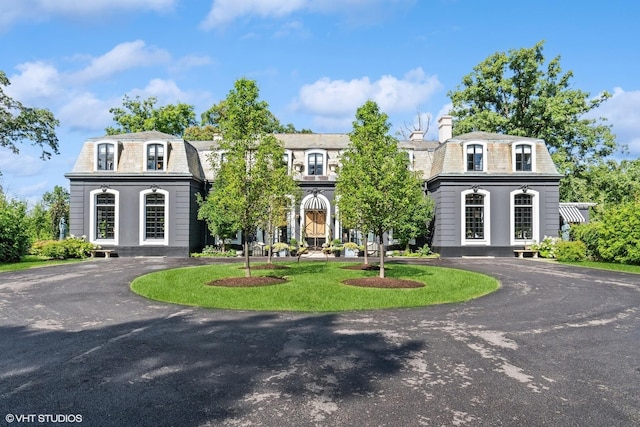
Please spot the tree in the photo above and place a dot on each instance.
(252, 164)
(375, 186)
(19, 123)
(516, 93)
(57, 203)
(141, 115)
(14, 236)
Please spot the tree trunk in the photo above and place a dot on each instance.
(366, 250)
(247, 268)
(381, 249)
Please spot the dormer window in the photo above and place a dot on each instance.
(156, 155)
(105, 156)
(315, 164)
(475, 157)
(523, 158)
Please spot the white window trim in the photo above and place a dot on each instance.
(289, 155)
(485, 156)
(533, 155)
(325, 160)
(165, 146)
(142, 212)
(487, 219)
(92, 218)
(535, 218)
(115, 155)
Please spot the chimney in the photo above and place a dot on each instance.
(445, 128)
(416, 135)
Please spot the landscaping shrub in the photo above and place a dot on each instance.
(547, 247)
(71, 247)
(214, 251)
(588, 234)
(570, 251)
(14, 236)
(619, 233)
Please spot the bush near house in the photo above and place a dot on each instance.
(14, 237)
(588, 233)
(570, 251)
(73, 247)
(547, 247)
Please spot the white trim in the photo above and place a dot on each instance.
(289, 155)
(485, 156)
(410, 152)
(142, 211)
(535, 218)
(92, 218)
(486, 241)
(532, 146)
(325, 160)
(115, 155)
(165, 159)
(327, 220)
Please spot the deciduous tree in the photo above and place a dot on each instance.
(516, 93)
(252, 163)
(375, 186)
(19, 123)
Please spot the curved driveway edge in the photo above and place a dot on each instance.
(554, 346)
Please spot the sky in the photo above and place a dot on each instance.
(315, 61)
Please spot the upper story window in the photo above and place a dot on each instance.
(155, 157)
(106, 156)
(475, 157)
(315, 163)
(410, 158)
(523, 157)
(287, 159)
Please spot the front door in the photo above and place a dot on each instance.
(315, 227)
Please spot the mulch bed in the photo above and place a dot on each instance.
(387, 282)
(366, 267)
(247, 282)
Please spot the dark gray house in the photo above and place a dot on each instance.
(136, 193)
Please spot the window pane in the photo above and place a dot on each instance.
(523, 216)
(474, 157)
(474, 216)
(105, 156)
(155, 157)
(154, 216)
(315, 166)
(105, 216)
(523, 158)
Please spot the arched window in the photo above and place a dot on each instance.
(105, 156)
(104, 216)
(155, 157)
(476, 229)
(523, 157)
(524, 216)
(154, 212)
(475, 156)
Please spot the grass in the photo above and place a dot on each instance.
(626, 268)
(312, 287)
(31, 261)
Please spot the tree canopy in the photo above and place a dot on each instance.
(375, 188)
(516, 93)
(251, 174)
(19, 123)
(141, 115)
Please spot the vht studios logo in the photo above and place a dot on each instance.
(43, 418)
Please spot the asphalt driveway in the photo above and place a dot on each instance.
(555, 346)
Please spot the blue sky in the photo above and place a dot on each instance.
(315, 61)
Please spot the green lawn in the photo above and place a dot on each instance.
(606, 266)
(312, 287)
(31, 261)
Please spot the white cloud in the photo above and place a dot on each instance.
(339, 99)
(85, 111)
(224, 12)
(42, 10)
(622, 111)
(122, 57)
(22, 164)
(36, 80)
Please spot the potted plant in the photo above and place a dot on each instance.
(351, 250)
(336, 247)
(281, 248)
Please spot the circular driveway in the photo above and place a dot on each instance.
(554, 346)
